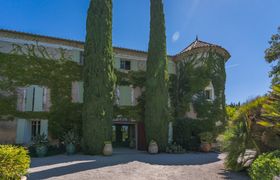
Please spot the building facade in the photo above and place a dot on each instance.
(34, 100)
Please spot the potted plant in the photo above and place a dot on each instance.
(132, 143)
(41, 145)
(206, 138)
(70, 141)
(108, 149)
(153, 147)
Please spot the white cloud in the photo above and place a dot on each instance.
(175, 36)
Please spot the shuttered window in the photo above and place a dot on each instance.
(33, 98)
(125, 96)
(77, 92)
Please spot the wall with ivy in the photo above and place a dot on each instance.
(21, 71)
(194, 73)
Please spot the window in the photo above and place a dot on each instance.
(35, 128)
(125, 64)
(209, 94)
(124, 96)
(33, 98)
(77, 91)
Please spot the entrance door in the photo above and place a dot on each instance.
(124, 135)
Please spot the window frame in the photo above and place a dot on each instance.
(125, 64)
(35, 128)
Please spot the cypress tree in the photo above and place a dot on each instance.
(156, 108)
(99, 78)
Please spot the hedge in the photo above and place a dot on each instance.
(14, 162)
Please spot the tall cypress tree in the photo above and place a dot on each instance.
(156, 108)
(99, 78)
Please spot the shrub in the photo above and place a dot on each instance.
(175, 149)
(14, 162)
(206, 137)
(186, 133)
(266, 166)
(242, 134)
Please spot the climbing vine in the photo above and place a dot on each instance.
(21, 71)
(194, 73)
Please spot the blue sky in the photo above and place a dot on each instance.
(243, 27)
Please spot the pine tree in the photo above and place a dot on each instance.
(156, 108)
(99, 78)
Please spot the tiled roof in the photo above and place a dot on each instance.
(57, 40)
(197, 44)
(80, 44)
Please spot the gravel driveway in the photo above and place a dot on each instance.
(133, 165)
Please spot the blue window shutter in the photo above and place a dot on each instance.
(81, 92)
(134, 65)
(117, 63)
(125, 96)
(44, 127)
(29, 98)
(38, 101)
(21, 127)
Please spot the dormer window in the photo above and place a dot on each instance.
(125, 64)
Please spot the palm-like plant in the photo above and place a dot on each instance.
(271, 110)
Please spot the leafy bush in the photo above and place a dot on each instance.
(186, 133)
(175, 148)
(206, 137)
(14, 162)
(266, 166)
(242, 134)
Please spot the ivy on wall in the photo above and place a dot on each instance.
(24, 70)
(136, 79)
(194, 74)
(21, 71)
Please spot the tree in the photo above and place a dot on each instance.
(99, 77)
(272, 54)
(156, 107)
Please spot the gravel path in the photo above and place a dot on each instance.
(133, 165)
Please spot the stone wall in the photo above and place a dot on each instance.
(8, 132)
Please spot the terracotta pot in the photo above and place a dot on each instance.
(153, 148)
(205, 146)
(108, 150)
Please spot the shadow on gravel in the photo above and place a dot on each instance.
(48, 167)
(229, 175)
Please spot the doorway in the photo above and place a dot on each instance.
(124, 135)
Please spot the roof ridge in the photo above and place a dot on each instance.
(64, 39)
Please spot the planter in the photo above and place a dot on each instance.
(41, 151)
(108, 149)
(205, 146)
(132, 144)
(153, 147)
(23, 178)
(70, 149)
